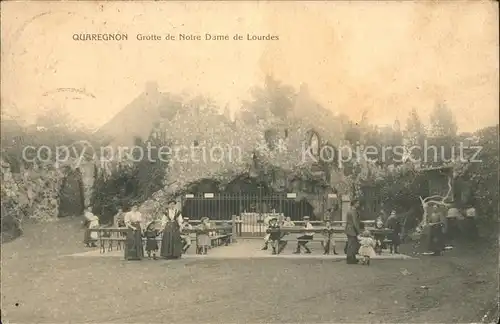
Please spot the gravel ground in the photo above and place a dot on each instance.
(38, 285)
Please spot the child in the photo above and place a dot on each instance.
(274, 234)
(203, 240)
(186, 235)
(266, 221)
(366, 251)
(151, 233)
(306, 237)
(378, 246)
(379, 239)
(328, 242)
(393, 223)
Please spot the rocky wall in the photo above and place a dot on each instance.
(34, 192)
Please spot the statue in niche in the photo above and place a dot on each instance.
(314, 144)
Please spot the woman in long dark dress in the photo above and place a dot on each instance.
(436, 234)
(171, 244)
(133, 248)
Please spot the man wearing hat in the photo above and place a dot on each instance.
(352, 230)
(185, 235)
(304, 239)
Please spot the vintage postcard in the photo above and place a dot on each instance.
(249, 161)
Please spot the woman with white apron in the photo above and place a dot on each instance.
(91, 221)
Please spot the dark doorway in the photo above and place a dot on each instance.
(71, 194)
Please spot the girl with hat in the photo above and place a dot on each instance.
(328, 242)
(151, 233)
(203, 240)
(274, 234)
(171, 244)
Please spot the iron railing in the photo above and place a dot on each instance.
(250, 208)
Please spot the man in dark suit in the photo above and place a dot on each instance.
(352, 230)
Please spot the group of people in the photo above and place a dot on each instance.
(276, 237)
(359, 240)
(174, 228)
(176, 238)
(442, 227)
(175, 231)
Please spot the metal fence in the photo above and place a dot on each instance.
(251, 209)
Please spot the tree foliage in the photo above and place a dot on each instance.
(482, 176)
(442, 122)
(31, 183)
(273, 99)
(130, 184)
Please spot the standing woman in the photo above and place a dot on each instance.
(133, 248)
(171, 243)
(436, 233)
(91, 221)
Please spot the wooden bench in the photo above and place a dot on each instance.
(219, 235)
(319, 230)
(221, 239)
(108, 236)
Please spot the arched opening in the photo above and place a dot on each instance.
(244, 195)
(204, 186)
(71, 194)
(198, 208)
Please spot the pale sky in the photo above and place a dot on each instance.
(386, 58)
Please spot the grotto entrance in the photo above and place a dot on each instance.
(71, 194)
(243, 195)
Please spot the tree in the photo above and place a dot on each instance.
(130, 184)
(353, 133)
(443, 136)
(443, 122)
(274, 99)
(482, 175)
(415, 134)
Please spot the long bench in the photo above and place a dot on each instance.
(319, 230)
(107, 236)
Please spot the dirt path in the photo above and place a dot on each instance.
(49, 288)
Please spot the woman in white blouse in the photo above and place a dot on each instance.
(171, 244)
(133, 249)
(91, 221)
